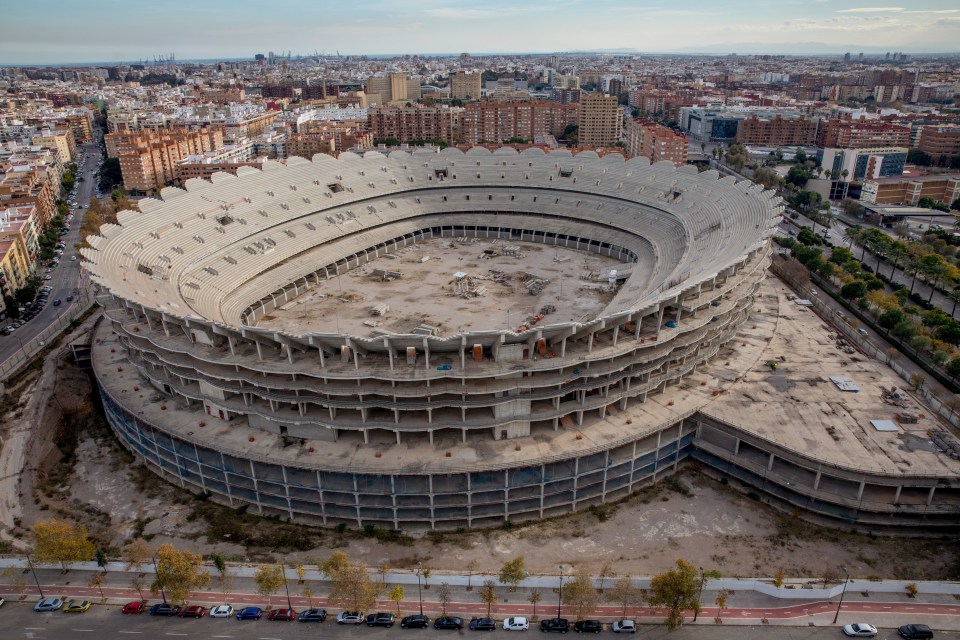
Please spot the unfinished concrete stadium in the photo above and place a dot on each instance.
(444, 340)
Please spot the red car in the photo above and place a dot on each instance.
(134, 607)
(282, 614)
(193, 611)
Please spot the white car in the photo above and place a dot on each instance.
(860, 630)
(48, 604)
(221, 611)
(624, 626)
(517, 623)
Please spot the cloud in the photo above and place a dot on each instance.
(873, 10)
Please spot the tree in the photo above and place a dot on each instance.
(471, 569)
(677, 590)
(625, 594)
(427, 572)
(778, 578)
(269, 578)
(337, 561)
(351, 587)
(58, 541)
(513, 572)
(178, 573)
(606, 571)
(721, 603)
(534, 599)
(138, 582)
(300, 572)
(854, 290)
(221, 566)
(953, 367)
(443, 597)
(396, 594)
(101, 559)
(137, 553)
(904, 330)
(917, 381)
(488, 594)
(581, 594)
(97, 580)
(736, 156)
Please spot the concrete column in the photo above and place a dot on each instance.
(930, 496)
(896, 495)
(616, 334)
(860, 489)
(636, 333)
(770, 462)
(736, 447)
(816, 481)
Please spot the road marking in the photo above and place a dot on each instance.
(81, 629)
(121, 631)
(269, 638)
(175, 634)
(221, 636)
(33, 628)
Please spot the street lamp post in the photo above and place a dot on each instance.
(419, 588)
(560, 597)
(846, 579)
(703, 578)
(35, 578)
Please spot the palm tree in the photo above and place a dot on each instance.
(914, 267)
(896, 252)
(852, 234)
(955, 296)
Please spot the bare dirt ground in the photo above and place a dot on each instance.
(74, 468)
(427, 293)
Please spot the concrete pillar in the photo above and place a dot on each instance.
(860, 490)
(366, 436)
(736, 447)
(816, 481)
(770, 462)
(930, 496)
(896, 495)
(616, 334)
(430, 433)
(398, 439)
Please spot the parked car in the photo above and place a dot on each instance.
(555, 625)
(516, 623)
(350, 617)
(193, 611)
(221, 611)
(48, 604)
(249, 613)
(69, 298)
(136, 606)
(380, 620)
(57, 302)
(624, 626)
(77, 606)
(415, 622)
(448, 622)
(915, 632)
(164, 609)
(587, 626)
(286, 615)
(860, 630)
(483, 624)
(313, 615)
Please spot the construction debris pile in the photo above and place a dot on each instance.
(945, 443)
(893, 397)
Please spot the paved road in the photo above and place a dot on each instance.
(67, 276)
(106, 622)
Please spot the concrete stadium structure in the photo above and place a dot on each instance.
(411, 430)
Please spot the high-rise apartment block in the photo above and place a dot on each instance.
(940, 141)
(858, 134)
(394, 87)
(407, 124)
(149, 159)
(493, 122)
(777, 131)
(601, 121)
(655, 141)
(465, 86)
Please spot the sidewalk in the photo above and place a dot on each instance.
(883, 604)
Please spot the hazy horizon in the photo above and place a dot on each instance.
(71, 33)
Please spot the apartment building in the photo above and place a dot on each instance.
(306, 145)
(465, 86)
(148, 159)
(657, 142)
(908, 191)
(394, 87)
(14, 266)
(19, 225)
(248, 125)
(62, 141)
(863, 164)
(565, 96)
(601, 122)
(493, 122)
(940, 141)
(30, 187)
(777, 131)
(859, 134)
(204, 168)
(407, 124)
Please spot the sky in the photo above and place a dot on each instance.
(74, 31)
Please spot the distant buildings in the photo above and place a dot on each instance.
(406, 124)
(493, 122)
(394, 87)
(777, 131)
(941, 142)
(859, 134)
(466, 86)
(908, 191)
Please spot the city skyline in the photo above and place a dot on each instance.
(380, 27)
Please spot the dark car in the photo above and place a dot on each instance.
(193, 611)
(587, 626)
(164, 609)
(556, 625)
(285, 615)
(313, 615)
(380, 620)
(249, 613)
(415, 622)
(448, 622)
(483, 624)
(915, 632)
